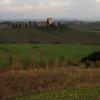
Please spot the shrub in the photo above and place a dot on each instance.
(95, 56)
(91, 60)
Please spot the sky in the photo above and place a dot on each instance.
(41, 9)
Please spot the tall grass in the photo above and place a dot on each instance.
(15, 62)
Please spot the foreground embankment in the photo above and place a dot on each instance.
(25, 82)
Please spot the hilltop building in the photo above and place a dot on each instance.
(49, 21)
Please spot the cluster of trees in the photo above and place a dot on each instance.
(17, 24)
(42, 25)
(20, 25)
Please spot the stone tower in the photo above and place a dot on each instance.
(49, 21)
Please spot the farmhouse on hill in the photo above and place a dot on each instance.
(49, 21)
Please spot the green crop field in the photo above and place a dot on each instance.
(70, 94)
(43, 52)
(66, 34)
(47, 51)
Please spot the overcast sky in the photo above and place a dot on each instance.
(37, 9)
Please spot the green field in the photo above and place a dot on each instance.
(66, 34)
(70, 94)
(49, 51)
(44, 52)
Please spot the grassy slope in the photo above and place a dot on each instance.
(71, 94)
(93, 26)
(41, 53)
(65, 35)
(49, 50)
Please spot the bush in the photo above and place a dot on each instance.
(95, 56)
(91, 60)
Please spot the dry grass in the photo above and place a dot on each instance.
(24, 82)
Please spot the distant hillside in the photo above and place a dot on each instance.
(91, 26)
(87, 33)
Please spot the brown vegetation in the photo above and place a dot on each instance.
(24, 82)
(14, 62)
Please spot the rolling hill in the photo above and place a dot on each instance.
(85, 33)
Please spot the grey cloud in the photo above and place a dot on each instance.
(86, 9)
(82, 9)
